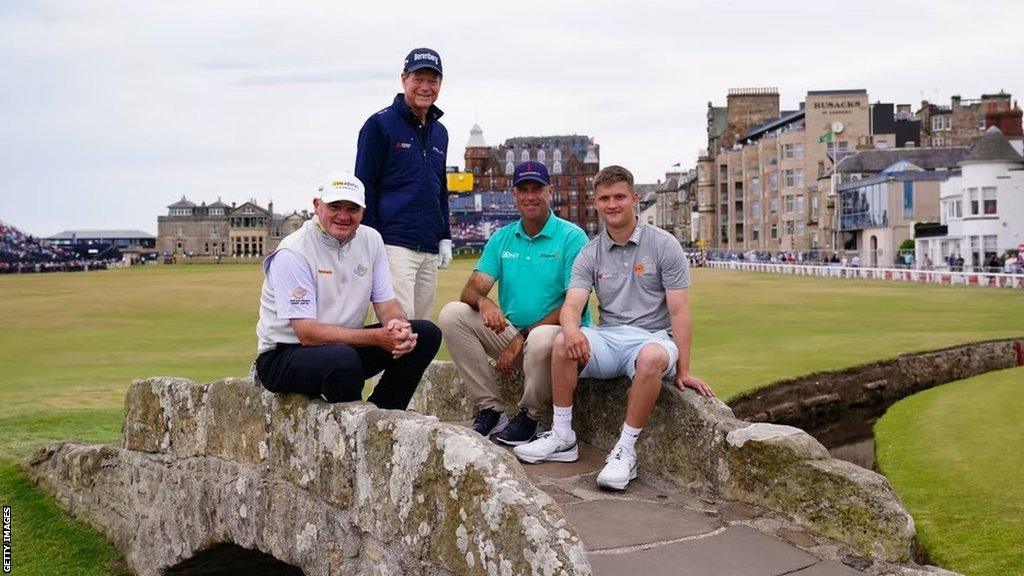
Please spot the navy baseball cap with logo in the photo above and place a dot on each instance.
(421, 58)
(531, 171)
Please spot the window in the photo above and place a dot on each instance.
(800, 204)
(789, 204)
(541, 156)
(972, 195)
(773, 181)
(755, 210)
(510, 156)
(938, 142)
(793, 151)
(975, 250)
(179, 231)
(774, 205)
(509, 167)
(814, 203)
(775, 231)
(216, 211)
(525, 156)
(989, 244)
(981, 122)
(214, 232)
(557, 154)
(724, 234)
(755, 185)
(908, 199)
(789, 227)
(557, 166)
(800, 230)
(988, 200)
(944, 122)
(794, 177)
(958, 208)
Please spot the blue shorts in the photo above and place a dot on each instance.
(613, 351)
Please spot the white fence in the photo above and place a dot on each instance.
(889, 274)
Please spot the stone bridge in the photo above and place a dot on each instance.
(225, 473)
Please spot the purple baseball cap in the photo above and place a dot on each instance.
(531, 171)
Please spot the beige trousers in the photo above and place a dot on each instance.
(471, 343)
(414, 276)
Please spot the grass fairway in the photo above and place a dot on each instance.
(954, 454)
(73, 342)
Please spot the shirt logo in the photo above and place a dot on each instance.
(639, 268)
(549, 254)
(299, 292)
(360, 270)
(324, 271)
(509, 255)
(435, 149)
(403, 145)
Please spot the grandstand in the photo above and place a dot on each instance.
(21, 253)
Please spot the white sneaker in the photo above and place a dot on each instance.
(619, 469)
(548, 447)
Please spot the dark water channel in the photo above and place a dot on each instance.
(852, 436)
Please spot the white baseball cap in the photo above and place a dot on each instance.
(343, 187)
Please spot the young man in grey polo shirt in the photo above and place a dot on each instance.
(640, 275)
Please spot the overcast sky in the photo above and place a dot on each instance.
(109, 111)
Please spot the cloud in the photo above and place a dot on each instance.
(317, 77)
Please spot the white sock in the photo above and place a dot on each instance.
(627, 439)
(561, 423)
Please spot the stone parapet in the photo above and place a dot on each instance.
(330, 489)
(698, 443)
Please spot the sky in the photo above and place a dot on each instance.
(111, 110)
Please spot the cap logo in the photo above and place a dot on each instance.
(426, 56)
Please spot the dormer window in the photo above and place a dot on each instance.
(541, 156)
(557, 167)
(557, 155)
(525, 156)
(509, 167)
(510, 156)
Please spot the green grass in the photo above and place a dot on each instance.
(72, 343)
(955, 455)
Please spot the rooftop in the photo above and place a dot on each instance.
(992, 147)
(873, 161)
(99, 234)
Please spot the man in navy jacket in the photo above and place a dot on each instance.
(401, 160)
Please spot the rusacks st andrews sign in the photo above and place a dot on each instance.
(837, 106)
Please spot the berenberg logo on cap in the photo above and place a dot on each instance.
(425, 56)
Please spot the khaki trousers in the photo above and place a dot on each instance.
(471, 343)
(414, 276)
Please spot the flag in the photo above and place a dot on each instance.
(827, 137)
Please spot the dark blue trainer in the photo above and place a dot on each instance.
(489, 421)
(520, 430)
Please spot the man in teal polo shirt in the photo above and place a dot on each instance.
(531, 260)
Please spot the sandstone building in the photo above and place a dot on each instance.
(218, 230)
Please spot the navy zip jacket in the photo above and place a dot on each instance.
(402, 165)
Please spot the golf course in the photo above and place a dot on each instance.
(75, 341)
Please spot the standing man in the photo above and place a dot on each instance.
(401, 159)
(640, 275)
(531, 260)
(314, 298)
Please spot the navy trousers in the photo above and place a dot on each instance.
(337, 372)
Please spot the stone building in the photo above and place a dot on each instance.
(674, 209)
(218, 230)
(765, 181)
(572, 161)
(961, 123)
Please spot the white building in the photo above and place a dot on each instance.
(982, 208)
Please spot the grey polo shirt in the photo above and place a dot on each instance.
(631, 279)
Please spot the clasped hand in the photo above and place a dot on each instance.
(399, 339)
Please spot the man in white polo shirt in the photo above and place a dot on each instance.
(318, 285)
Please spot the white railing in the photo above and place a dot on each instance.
(888, 274)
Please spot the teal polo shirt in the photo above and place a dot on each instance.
(533, 273)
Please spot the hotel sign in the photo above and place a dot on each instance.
(838, 107)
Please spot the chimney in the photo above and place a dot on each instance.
(955, 101)
(1007, 120)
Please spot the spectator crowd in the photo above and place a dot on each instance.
(24, 253)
